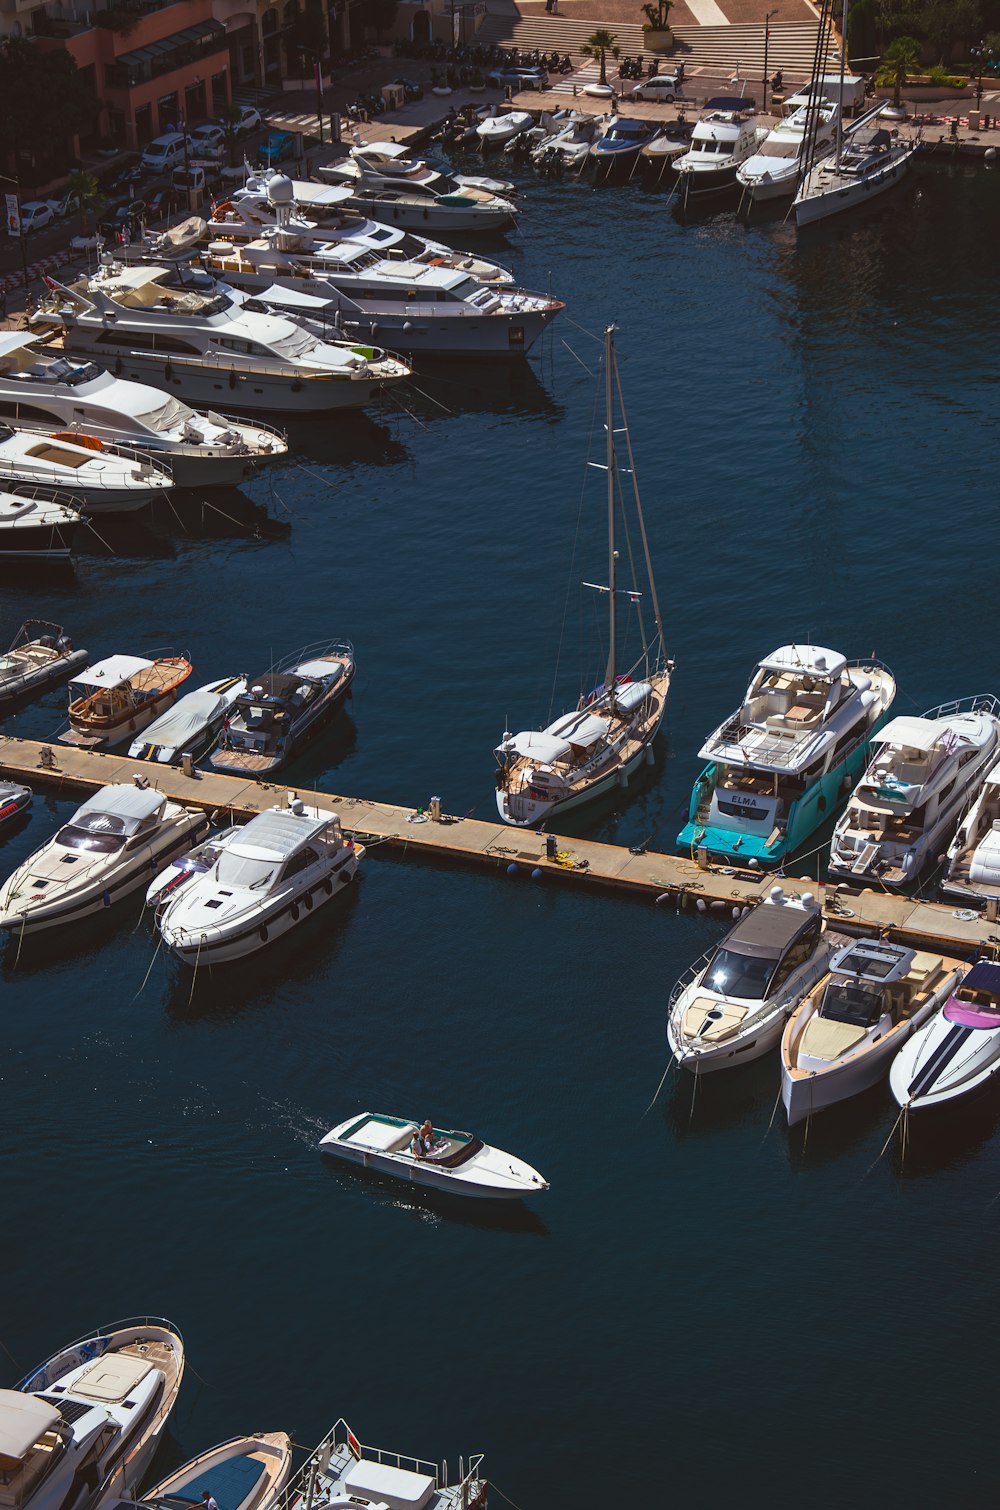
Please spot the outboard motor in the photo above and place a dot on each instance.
(48, 641)
(64, 644)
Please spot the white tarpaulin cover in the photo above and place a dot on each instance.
(542, 748)
(580, 728)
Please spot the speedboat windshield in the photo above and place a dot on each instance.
(742, 975)
(100, 833)
(243, 871)
(856, 1002)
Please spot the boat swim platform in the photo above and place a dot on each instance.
(677, 881)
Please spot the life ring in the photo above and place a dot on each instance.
(224, 208)
(90, 442)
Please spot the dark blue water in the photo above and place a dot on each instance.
(703, 1309)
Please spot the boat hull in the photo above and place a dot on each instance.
(847, 196)
(944, 1063)
(705, 1060)
(444, 219)
(38, 542)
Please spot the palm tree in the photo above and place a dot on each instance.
(86, 190)
(899, 59)
(657, 14)
(598, 45)
(230, 116)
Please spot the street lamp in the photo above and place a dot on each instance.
(767, 38)
(984, 58)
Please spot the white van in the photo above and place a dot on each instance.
(163, 153)
(848, 92)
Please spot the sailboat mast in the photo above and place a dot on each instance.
(609, 414)
(843, 70)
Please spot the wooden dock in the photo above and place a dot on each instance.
(670, 880)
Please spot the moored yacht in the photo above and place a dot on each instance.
(37, 529)
(841, 1039)
(867, 161)
(40, 655)
(191, 725)
(725, 135)
(569, 139)
(972, 874)
(501, 127)
(268, 876)
(777, 766)
(246, 1473)
(661, 156)
(83, 1427)
(774, 169)
(391, 163)
(106, 851)
(957, 1051)
(410, 206)
(284, 708)
(438, 1159)
(56, 466)
(205, 345)
(731, 1006)
(115, 698)
(619, 145)
(343, 1471)
(922, 774)
(44, 389)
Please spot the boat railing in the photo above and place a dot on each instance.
(981, 702)
(341, 1441)
(40, 493)
(769, 748)
(317, 651)
(101, 1335)
(250, 424)
(689, 977)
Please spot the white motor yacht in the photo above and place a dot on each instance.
(413, 206)
(81, 1430)
(37, 529)
(14, 800)
(732, 1004)
(108, 482)
(206, 346)
(502, 127)
(922, 774)
(957, 1051)
(184, 867)
(841, 1039)
(191, 726)
(455, 1162)
(269, 875)
(345, 1472)
(774, 170)
(972, 873)
(44, 389)
(867, 161)
(778, 765)
(569, 139)
(246, 1473)
(391, 163)
(106, 851)
(725, 135)
(40, 656)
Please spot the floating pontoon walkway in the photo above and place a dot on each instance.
(671, 879)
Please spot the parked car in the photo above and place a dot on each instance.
(411, 89)
(250, 120)
(665, 86)
(518, 79)
(158, 204)
(35, 216)
(279, 145)
(208, 140)
(189, 180)
(165, 152)
(62, 207)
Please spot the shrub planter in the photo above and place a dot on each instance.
(657, 41)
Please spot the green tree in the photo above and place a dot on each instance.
(84, 188)
(658, 15)
(949, 23)
(900, 58)
(598, 45)
(44, 101)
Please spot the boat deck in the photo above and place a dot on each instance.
(652, 876)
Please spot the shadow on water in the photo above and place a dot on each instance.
(75, 942)
(947, 1137)
(467, 1211)
(216, 514)
(693, 1106)
(439, 390)
(350, 438)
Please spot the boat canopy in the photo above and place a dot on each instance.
(132, 804)
(275, 835)
(632, 695)
(23, 1420)
(581, 728)
(111, 672)
(543, 748)
(910, 733)
(321, 670)
(290, 298)
(767, 932)
(807, 660)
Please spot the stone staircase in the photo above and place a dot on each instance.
(713, 49)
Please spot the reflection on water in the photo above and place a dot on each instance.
(438, 1205)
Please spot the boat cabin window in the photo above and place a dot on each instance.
(856, 1002)
(173, 343)
(740, 975)
(801, 950)
(97, 833)
(301, 861)
(240, 870)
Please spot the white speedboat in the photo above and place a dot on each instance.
(841, 1039)
(106, 851)
(732, 1004)
(452, 1161)
(774, 169)
(725, 135)
(83, 1427)
(284, 708)
(15, 799)
(41, 388)
(40, 656)
(344, 1472)
(777, 766)
(868, 161)
(569, 139)
(184, 867)
(922, 774)
(246, 1473)
(107, 482)
(958, 1051)
(191, 726)
(206, 346)
(502, 127)
(972, 873)
(271, 874)
(391, 163)
(36, 529)
(661, 155)
(594, 749)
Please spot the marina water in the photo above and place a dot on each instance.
(705, 1307)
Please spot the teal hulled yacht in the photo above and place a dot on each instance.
(779, 765)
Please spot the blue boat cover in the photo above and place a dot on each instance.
(229, 1483)
(984, 977)
(728, 102)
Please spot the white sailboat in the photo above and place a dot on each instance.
(595, 747)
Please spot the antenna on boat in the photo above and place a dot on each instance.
(609, 357)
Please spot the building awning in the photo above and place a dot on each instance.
(179, 40)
